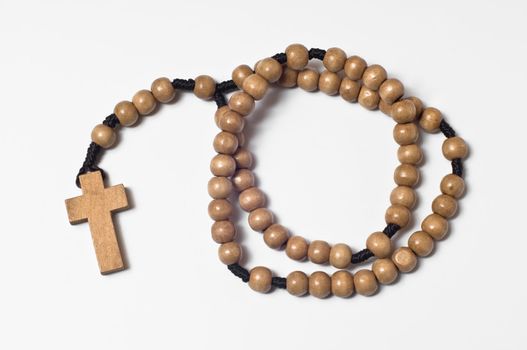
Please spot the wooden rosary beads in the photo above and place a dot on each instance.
(355, 81)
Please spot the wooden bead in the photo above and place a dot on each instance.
(243, 179)
(231, 121)
(379, 244)
(385, 271)
(297, 248)
(319, 284)
(219, 187)
(241, 139)
(405, 134)
(230, 253)
(410, 154)
(404, 259)
(385, 108)
(288, 78)
(354, 67)
(270, 69)
(406, 175)
(223, 231)
(275, 236)
(444, 205)
(297, 56)
(222, 165)
(204, 87)
(243, 158)
(391, 90)
(103, 135)
(452, 185)
(225, 142)
(256, 86)
(219, 113)
(418, 105)
(403, 195)
(163, 90)
(308, 79)
(368, 98)
(340, 256)
(318, 252)
(435, 225)
(144, 102)
(349, 89)
(374, 76)
(240, 73)
(260, 219)
(220, 209)
(430, 119)
(334, 59)
(397, 214)
(241, 103)
(260, 279)
(365, 282)
(403, 111)
(251, 198)
(454, 147)
(297, 283)
(126, 112)
(342, 284)
(421, 243)
(329, 82)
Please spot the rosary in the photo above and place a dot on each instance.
(355, 81)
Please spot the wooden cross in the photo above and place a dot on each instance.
(96, 206)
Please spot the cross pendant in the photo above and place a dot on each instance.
(96, 206)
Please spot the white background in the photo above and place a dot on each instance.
(325, 164)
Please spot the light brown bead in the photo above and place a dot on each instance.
(297, 56)
(297, 283)
(379, 244)
(225, 142)
(418, 105)
(368, 98)
(163, 90)
(319, 284)
(385, 271)
(342, 284)
(405, 134)
(223, 231)
(241, 139)
(231, 121)
(270, 69)
(144, 102)
(240, 73)
(454, 147)
(444, 205)
(385, 108)
(318, 252)
(405, 259)
(410, 154)
(334, 59)
(251, 198)
(374, 76)
(222, 165)
(406, 175)
(308, 79)
(452, 185)
(430, 119)
(297, 248)
(397, 214)
(275, 236)
(260, 219)
(354, 67)
(204, 87)
(243, 158)
(349, 89)
(256, 86)
(103, 136)
(340, 256)
(329, 82)
(435, 225)
(421, 243)
(219, 187)
(243, 179)
(220, 209)
(219, 113)
(391, 90)
(230, 253)
(288, 78)
(241, 103)
(403, 195)
(365, 282)
(126, 112)
(403, 111)
(260, 279)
